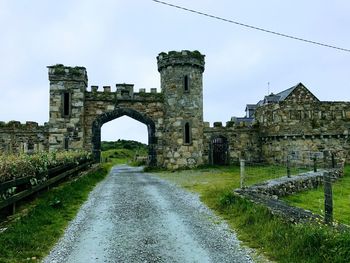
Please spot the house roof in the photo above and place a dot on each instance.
(273, 98)
(251, 107)
(285, 93)
(281, 96)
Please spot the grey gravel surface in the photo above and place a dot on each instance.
(135, 217)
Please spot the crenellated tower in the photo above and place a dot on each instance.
(182, 86)
(67, 100)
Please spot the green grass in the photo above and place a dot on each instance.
(118, 156)
(313, 200)
(34, 234)
(281, 241)
(201, 180)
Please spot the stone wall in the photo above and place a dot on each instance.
(67, 97)
(284, 186)
(299, 125)
(23, 138)
(268, 193)
(182, 86)
(242, 138)
(104, 106)
(302, 127)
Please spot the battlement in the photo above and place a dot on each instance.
(229, 124)
(60, 72)
(123, 92)
(29, 125)
(184, 57)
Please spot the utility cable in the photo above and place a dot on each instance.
(251, 27)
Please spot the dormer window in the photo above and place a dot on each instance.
(186, 83)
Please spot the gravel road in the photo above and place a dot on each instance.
(135, 217)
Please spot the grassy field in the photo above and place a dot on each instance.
(118, 156)
(281, 241)
(214, 179)
(123, 151)
(38, 225)
(313, 200)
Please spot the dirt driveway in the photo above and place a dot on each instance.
(135, 217)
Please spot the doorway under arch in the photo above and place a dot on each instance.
(109, 116)
(219, 150)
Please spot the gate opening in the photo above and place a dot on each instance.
(219, 151)
(135, 115)
(125, 139)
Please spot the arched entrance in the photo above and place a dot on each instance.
(219, 154)
(111, 115)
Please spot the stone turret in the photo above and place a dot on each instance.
(181, 84)
(67, 96)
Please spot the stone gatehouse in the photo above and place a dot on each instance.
(293, 121)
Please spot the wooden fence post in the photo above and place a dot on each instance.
(328, 198)
(288, 166)
(333, 160)
(14, 208)
(315, 163)
(242, 177)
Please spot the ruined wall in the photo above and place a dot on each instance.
(23, 138)
(299, 126)
(242, 138)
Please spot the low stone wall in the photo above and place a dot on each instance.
(268, 193)
(286, 186)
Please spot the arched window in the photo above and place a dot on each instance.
(186, 83)
(187, 133)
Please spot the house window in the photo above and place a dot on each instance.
(187, 133)
(66, 104)
(66, 143)
(186, 84)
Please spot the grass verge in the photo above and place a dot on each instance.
(313, 200)
(32, 236)
(279, 240)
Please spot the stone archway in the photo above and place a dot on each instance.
(111, 115)
(219, 150)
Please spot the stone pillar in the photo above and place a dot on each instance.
(181, 84)
(67, 100)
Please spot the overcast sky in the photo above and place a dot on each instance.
(118, 41)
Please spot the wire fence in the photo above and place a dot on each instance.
(318, 180)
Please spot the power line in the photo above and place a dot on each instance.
(252, 27)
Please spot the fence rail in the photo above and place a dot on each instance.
(27, 187)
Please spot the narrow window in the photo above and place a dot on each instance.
(66, 104)
(186, 84)
(66, 143)
(187, 133)
(30, 146)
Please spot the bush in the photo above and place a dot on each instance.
(36, 165)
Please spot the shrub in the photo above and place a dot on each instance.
(36, 165)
